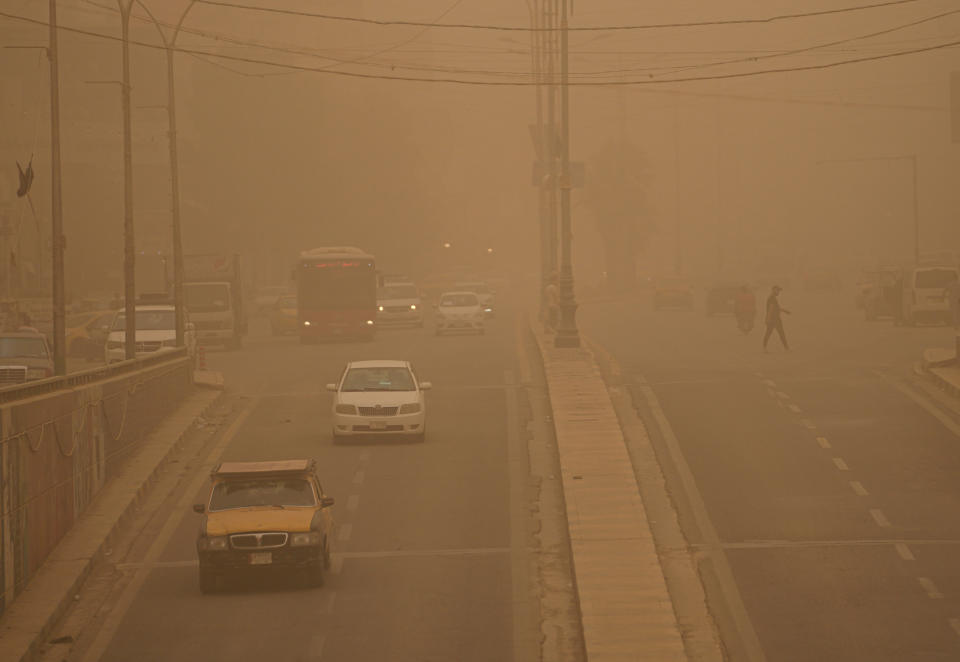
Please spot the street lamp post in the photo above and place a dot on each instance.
(567, 334)
(169, 47)
(59, 300)
(129, 247)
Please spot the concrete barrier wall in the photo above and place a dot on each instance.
(61, 442)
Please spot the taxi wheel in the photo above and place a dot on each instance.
(208, 581)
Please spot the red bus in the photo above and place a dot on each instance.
(336, 293)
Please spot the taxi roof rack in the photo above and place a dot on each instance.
(264, 468)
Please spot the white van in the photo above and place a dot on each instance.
(925, 290)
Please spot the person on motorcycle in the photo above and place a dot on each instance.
(745, 309)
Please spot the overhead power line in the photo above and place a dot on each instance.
(459, 81)
(511, 28)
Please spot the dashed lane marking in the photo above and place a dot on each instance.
(824, 442)
(353, 502)
(840, 464)
(336, 564)
(769, 382)
(315, 648)
(930, 588)
(794, 408)
(879, 517)
(904, 552)
(858, 488)
(358, 478)
(781, 395)
(331, 598)
(807, 423)
(346, 530)
(955, 625)
(365, 455)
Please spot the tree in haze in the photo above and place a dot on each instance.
(618, 177)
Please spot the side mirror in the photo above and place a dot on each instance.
(331, 387)
(425, 386)
(199, 508)
(326, 502)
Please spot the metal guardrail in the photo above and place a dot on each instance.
(42, 386)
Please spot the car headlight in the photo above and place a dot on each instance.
(305, 539)
(213, 544)
(413, 306)
(380, 308)
(346, 409)
(114, 344)
(307, 323)
(409, 408)
(37, 373)
(369, 322)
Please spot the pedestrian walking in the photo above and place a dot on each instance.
(775, 318)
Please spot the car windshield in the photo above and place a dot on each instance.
(262, 492)
(147, 320)
(378, 379)
(398, 292)
(458, 300)
(23, 348)
(935, 278)
(207, 297)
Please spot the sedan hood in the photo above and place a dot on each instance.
(373, 398)
(156, 335)
(243, 520)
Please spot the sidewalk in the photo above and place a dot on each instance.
(625, 607)
(28, 620)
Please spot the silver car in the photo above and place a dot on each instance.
(24, 356)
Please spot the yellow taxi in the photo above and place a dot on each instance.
(86, 333)
(263, 516)
(283, 316)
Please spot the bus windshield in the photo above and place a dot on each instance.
(337, 288)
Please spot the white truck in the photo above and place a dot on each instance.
(213, 291)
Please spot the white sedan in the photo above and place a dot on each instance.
(379, 398)
(459, 311)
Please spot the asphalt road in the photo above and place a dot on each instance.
(430, 557)
(830, 484)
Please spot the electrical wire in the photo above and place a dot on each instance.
(508, 28)
(482, 83)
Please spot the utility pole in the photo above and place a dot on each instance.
(59, 300)
(567, 334)
(129, 247)
(550, 142)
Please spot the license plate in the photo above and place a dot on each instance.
(261, 558)
(377, 425)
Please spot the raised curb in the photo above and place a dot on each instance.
(943, 369)
(626, 610)
(28, 621)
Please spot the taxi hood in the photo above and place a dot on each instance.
(259, 518)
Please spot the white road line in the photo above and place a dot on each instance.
(904, 552)
(858, 488)
(772, 393)
(807, 423)
(353, 502)
(782, 395)
(879, 517)
(955, 625)
(794, 408)
(358, 478)
(930, 588)
(336, 564)
(365, 455)
(920, 400)
(315, 649)
(824, 442)
(840, 464)
(346, 530)
(331, 598)
(769, 382)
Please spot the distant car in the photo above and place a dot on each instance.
(459, 311)
(266, 298)
(156, 331)
(882, 294)
(672, 293)
(262, 517)
(86, 334)
(283, 316)
(721, 299)
(925, 294)
(379, 397)
(24, 356)
(483, 291)
(399, 303)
